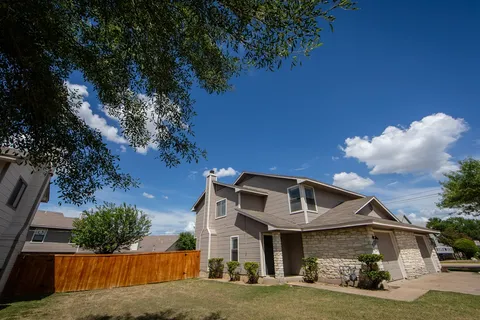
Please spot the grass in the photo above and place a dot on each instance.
(210, 300)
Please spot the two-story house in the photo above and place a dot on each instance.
(22, 188)
(277, 220)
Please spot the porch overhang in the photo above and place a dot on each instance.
(376, 224)
(272, 222)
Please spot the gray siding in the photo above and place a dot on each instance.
(252, 202)
(13, 220)
(277, 200)
(373, 210)
(234, 224)
(56, 241)
(201, 234)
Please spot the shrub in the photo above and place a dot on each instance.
(466, 246)
(252, 271)
(232, 270)
(310, 267)
(215, 268)
(370, 276)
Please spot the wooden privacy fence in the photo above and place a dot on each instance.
(35, 274)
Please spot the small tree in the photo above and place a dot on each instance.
(466, 246)
(186, 241)
(370, 275)
(110, 228)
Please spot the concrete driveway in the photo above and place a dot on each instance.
(461, 282)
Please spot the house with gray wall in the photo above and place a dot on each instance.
(51, 232)
(22, 189)
(277, 220)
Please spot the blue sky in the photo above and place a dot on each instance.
(412, 67)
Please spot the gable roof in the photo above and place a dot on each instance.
(299, 179)
(52, 220)
(157, 243)
(345, 215)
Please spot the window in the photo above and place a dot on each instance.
(17, 193)
(294, 199)
(234, 248)
(221, 208)
(39, 235)
(310, 199)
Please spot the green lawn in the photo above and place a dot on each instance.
(199, 299)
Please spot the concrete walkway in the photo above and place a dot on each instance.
(410, 290)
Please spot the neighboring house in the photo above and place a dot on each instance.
(22, 188)
(158, 243)
(51, 232)
(277, 220)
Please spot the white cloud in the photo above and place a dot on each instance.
(94, 121)
(192, 175)
(148, 195)
(165, 197)
(392, 183)
(272, 168)
(229, 172)
(351, 181)
(335, 158)
(123, 148)
(302, 167)
(169, 222)
(421, 148)
(190, 227)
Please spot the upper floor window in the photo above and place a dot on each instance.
(294, 199)
(39, 235)
(221, 208)
(310, 198)
(17, 193)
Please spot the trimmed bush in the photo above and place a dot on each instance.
(310, 269)
(232, 270)
(466, 246)
(370, 276)
(215, 268)
(252, 271)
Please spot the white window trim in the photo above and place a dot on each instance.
(44, 236)
(238, 247)
(314, 199)
(288, 196)
(216, 207)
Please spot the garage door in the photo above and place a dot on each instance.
(425, 254)
(390, 258)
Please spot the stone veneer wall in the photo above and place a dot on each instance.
(278, 255)
(410, 254)
(335, 248)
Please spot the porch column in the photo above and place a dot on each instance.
(278, 255)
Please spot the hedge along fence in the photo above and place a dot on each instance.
(35, 274)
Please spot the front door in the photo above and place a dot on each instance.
(426, 255)
(390, 256)
(268, 251)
